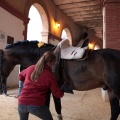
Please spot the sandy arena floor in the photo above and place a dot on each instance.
(87, 105)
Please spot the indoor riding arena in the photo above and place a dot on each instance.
(85, 37)
(86, 105)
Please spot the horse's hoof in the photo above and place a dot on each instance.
(17, 96)
(60, 117)
(6, 94)
(105, 87)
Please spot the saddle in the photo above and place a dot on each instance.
(65, 51)
(70, 52)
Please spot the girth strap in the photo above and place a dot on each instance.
(56, 69)
(61, 75)
(66, 86)
(65, 74)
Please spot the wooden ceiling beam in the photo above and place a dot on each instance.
(99, 21)
(86, 16)
(80, 9)
(92, 25)
(87, 13)
(79, 4)
(84, 13)
(62, 2)
(86, 19)
(97, 28)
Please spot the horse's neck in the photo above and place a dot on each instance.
(24, 55)
(24, 59)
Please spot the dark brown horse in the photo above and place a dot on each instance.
(100, 69)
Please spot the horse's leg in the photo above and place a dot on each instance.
(58, 107)
(57, 102)
(5, 90)
(114, 103)
(1, 90)
(4, 86)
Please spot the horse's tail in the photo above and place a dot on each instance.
(2, 77)
(1, 66)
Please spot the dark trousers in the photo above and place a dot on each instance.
(57, 102)
(39, 111)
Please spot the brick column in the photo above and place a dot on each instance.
(111, 24)
(45, 36)
(111, 28)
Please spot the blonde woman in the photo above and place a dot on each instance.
(38, 79)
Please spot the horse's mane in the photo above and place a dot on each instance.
(26, 46)
(26, 43)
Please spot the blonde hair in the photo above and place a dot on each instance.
(47, 57)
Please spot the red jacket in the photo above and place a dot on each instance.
(35, 92)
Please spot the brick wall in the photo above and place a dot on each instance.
(112, 25)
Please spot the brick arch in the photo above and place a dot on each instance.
(40, 6)
(69, 36)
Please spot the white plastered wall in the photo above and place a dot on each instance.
(11, 26)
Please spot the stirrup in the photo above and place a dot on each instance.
(67, 88)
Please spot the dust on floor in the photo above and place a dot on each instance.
(82, 105)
